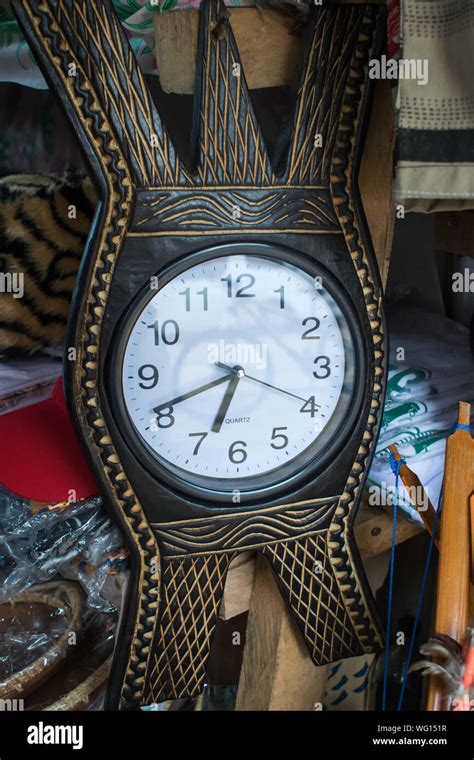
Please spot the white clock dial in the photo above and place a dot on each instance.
(237, 371)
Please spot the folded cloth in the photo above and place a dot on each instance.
(40, 455)
(435, 150)
(431, 370)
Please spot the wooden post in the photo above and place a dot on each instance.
(269, 54)
(375, 177)
(471, 521)
(277, 671)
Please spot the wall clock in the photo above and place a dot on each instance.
(228, 323)
(241, 375)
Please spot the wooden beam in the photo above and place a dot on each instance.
(454, 232)
(375, 177)
(238, 586)
(277, 671)
(373, 531)
(269, 53)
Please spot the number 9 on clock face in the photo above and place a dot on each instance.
(241, 372)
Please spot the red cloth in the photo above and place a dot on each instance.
(40, 455)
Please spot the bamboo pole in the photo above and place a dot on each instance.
(454, 568)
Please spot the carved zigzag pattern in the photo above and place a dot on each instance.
(334, 35)
(99, 132)
(342, 177)
(232, 150)
(96, 43)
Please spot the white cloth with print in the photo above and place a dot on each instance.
(431, 370)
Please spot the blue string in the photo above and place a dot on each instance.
(395, 465)
(458, 426)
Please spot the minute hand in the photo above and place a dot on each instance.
(262, 382)
(195, 392)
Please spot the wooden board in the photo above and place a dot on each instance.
(454, 232)
(269, 54)
(238, 586)
(277, 671)
(373, 531)
(375, 177)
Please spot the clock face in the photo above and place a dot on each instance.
(238, 372)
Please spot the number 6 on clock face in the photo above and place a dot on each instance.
(241, 372)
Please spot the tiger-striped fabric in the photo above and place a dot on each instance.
(44, 223)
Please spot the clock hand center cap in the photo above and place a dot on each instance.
(237, 370)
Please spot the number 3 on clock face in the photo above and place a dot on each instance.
(242, 371)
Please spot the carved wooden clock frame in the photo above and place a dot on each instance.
(154, 211)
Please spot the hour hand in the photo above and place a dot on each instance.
(228, 396)
(195, 392)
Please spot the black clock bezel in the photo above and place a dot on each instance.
(167, 475)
